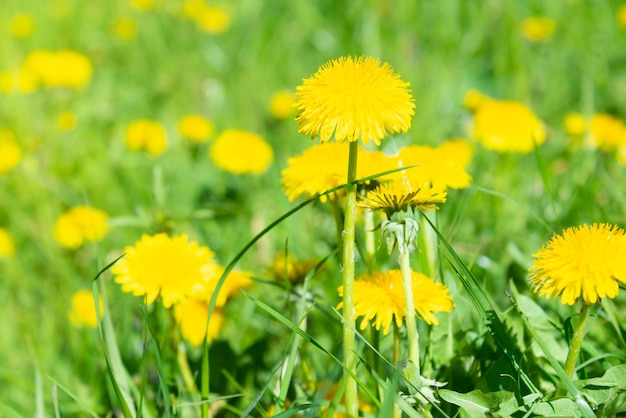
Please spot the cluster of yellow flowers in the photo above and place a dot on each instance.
(602, 131)
(210, 19)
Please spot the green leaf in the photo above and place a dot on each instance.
(563, 407)
(606, 388)
(476, 403)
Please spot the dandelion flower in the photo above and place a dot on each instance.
(621, 16)
(379, 299)
(473, 99)
(213, 20)
(585, 261)
(146, 135)
(400, 196)
(10, 151)
(80, 224)
(7, 246)
(233, 283)
(574, 124)
(286, 267)
(195, 128)
(537, 29)
(507, 126)
(83, 309)
(173, 268)
(607, 132)
(22, 25)
(351, 98)
(241, 152)
(191, 316)
(125, 28)
(66, 121)
(65, 68)
(282, 104)
(143, 5)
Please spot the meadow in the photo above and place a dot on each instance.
(163, 163)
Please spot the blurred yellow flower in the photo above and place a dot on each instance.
(191, 316)
(64, 68)
(80, 224)
(233, 283)
(241, 152)
(585, 261)
(195, 128)
(192, 9)
(125, 28)
(621, 155)
(621, 16)
(379, 299)
(66, 121)
(213, 20)
(19, 81)
(142, 5)
(7, 245)
(83, 309)
(574, 124)
(507, 126)
(400, 196)
(10, 151)
(537, 29)
(172, 268)
(146, 135)
(286, 267)
(607, 132)
(351, 98)
(282, 104)
(473, 99)
(22, 25)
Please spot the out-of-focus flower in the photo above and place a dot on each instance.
(607, 132)
(507, 126)
(213, 19)
(83, 309)
(125, 28)
(241, 152)
(22, 25)
(7, 245)
(621, 155)
(537, 29)
(193, 8)
(195, 128)
(585, 261)
(18, 81)
(143, 5)
(146, 135)
(379, 299)
(574, 124)
(282, 104)
(473, 99)
(66, 121)
(172, 268)
(80, 224)
(621, 16)
(351, 98)
(191, 316)
(10, 151)
(233, 283)
(289, 268)
(64, 68)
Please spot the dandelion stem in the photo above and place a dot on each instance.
(411, 325)
(577, 339)
(370, 242)
(349, 323)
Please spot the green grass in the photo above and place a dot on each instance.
(488, 232)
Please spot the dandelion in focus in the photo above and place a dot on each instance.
(79, 225)
(538, 29)
(125, 28)
(379, 299)
(22, 25)
(83, 309)
(282, 104)
(191, 316)
(146, 135)
(401, 197)
(66, 121)
(195, 128)
(10, 151)
(607, 132)
(241, 152)
(7, 245)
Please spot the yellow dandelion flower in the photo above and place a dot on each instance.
(64, 68)
(83, 309)
(585, 261)
(192, 9)
(7, 245)
(22, 25)
(213, 20)
(66, 121)
(351, 98)
(80, 224)
(473, 99)
(400, 196)
(621, 16)
(234, 282)
(379, 299)
(607, 132)
(282, 104)
(143, 5)
(146, 135)
(241, 152)
(507, 126)
(289, 268)
(172, 268)
(537, 29)
(191, 316)
(574, 124)
(10, 151)
(195, 128)
(125, 28)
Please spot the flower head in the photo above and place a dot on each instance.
(233, 283)
(507, 126)
(607, 132)
(65, 68)
(354, 98)
(10, 151)
(196, 128)
(7, 246)
(143, 5)
(241, 152)
(22, 25)
(473, 99)
(80, 224)
(173, 268)
(537, 29)
(401, 196)
(83, 309)
(286, 267)
(282, 104)
(146, 135)
(66, 121)
(212, 19)
(379, 298)
(125, 28)
(585, 261)
(621, 16)
(574, 124)
(191, 316)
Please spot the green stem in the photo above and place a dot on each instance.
(370, 239)
(349, 323)
(577, 340)
(411, 325)
(429, 243)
